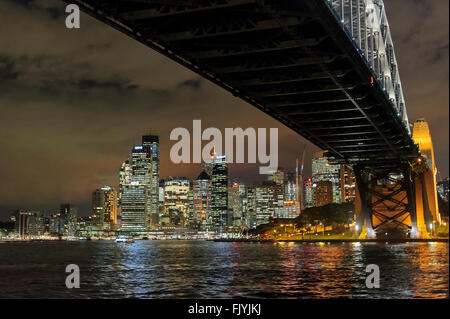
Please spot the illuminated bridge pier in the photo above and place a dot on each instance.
(324, 68)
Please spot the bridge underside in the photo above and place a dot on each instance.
(291, 59)
(296, 62)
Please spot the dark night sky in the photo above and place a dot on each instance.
(73, 102)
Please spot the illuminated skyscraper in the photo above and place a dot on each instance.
(143, 168)
(323, 170)
(250, 211)
(29, 223)
(235, 206)
(69, 214)
(348, 184)
(269, 202)
(176, 199)
(290, 187)
(219, 193)
(323, 193)
(151, 146)
(309, 194)
(104, 207)
(201, 218)
(134, 208)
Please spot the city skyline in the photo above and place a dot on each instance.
(93, 127)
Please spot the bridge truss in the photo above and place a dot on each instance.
(324, 68)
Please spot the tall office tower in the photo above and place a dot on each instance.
(309, 194)
(125, 175)
(290, 187)
(104, 207)
(269, 202)
(234, 205)
(143, 168)
(219, 193)
(243, 203)
(125, 178)
(290, 195)
(348, 184)
(69, 215)
(250, 212)
(190, 208)
(176, 199)
(443, 189)
(141, 165)
(323, 170)
(201, 218)
(161, 193)
(151, 146)
(323, 193)
(134, 208)
(56, 226)
(277, 177)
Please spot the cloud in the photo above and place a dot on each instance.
(73, 102)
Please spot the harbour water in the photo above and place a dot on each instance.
(206, 269)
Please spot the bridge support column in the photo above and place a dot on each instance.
(364, 227)
(386, 203)
(420, 229)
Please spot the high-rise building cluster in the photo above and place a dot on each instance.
(35, 224)
(211, 203)
(329, 183)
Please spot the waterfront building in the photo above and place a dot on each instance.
(308, 193)
(201, 215)
(56, 226)
(88, 227)
(134, 208)
(234, 206)
(28, 223)
(219, 193)
(323, 193)
(243, 204)
(176, 199)
(151, 146)
(125, 178)
(289, 209)
(250, 212)
(68, 215)
(323, 170)
(348, 184)
(290, 187)
(104, 208)
(269, 202)
(143, 168)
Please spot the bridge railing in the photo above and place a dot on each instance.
(365, 21)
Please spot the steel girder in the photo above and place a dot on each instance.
(294, 60)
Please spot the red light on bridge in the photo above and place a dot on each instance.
(371, 79)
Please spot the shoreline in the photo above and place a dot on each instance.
(243, 240)
(406, 240)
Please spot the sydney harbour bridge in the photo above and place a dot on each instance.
(324, 68)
